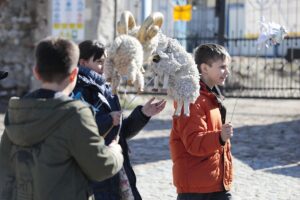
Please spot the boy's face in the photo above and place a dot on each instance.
(217, 72)
(96, 65)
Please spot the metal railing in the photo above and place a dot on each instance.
(272, 72)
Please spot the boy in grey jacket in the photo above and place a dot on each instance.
(50, 146)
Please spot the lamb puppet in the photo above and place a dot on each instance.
(125, 58)
(168, 60)
(176, 69)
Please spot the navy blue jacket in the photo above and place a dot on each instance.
(91, 88)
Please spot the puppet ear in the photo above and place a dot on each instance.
(162, 54)
(126, 23)
(150, 27)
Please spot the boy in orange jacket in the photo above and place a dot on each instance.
(199, 143)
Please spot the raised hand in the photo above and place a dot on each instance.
(152, 108)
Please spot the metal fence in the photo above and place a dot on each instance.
(272, 72)
(254, 72)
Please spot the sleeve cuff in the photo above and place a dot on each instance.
(143, 115)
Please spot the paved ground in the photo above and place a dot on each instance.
(265, 147)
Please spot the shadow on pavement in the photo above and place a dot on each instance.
(148, 150)
(158, 124)
(271, 148)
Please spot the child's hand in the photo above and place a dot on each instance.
(116, 116)
(227, 132)
(150, 109)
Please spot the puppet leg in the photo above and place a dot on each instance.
(178, 108)
(131, 73)
(139, 82)
(166, 80)
(155, 87)
(186, 107)
(115, 82)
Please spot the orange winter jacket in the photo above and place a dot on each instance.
(200, 163)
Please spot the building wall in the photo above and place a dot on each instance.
(243, 22)
(244, 19)
(22, 24)
(99, 17)
(282, 12)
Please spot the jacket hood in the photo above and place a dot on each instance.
(91, 77)
(29, 121)
(88, 78)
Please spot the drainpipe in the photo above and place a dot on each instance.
(222, 21)
(115, 18)
(146, 9)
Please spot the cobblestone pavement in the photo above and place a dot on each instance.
(265, 147)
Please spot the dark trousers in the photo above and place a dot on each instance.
(224, 195)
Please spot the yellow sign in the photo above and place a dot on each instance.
(183, 13)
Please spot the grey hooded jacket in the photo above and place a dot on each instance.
(49, 150)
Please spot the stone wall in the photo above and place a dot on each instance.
(22, 24)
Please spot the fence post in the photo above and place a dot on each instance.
(220, 12)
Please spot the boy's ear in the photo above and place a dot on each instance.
(73, 74)
(36, 73)
(203, 68)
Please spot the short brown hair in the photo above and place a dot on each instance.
(55, 58)
(209, 53)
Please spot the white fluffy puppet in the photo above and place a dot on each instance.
(270, 34)
(125, 58)
(176, 69)
(130, 50)
(169, 61)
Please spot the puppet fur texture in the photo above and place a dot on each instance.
(176, 69)
(125, 58)
(171, 64)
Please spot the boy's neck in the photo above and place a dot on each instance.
(207, 82)
(57, 88)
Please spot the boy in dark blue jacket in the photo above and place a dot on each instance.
(92, 88)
